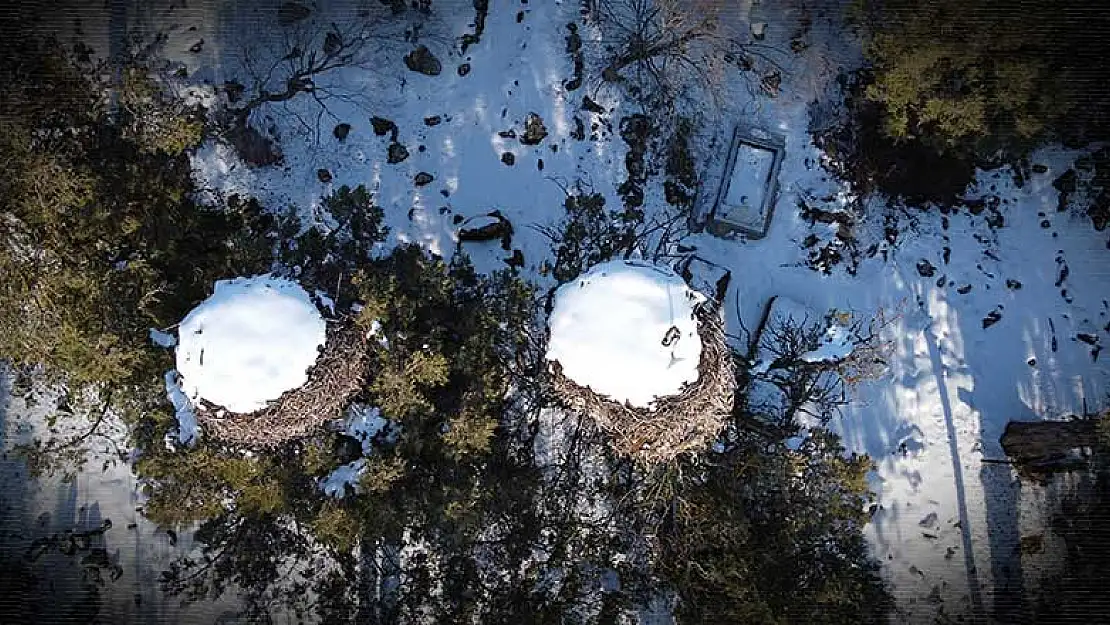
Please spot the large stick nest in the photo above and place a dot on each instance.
(675, 424)
(337, 376)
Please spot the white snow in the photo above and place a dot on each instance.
(743, 202)
(187, 428)
(343, 477)
(836, 345)
(252, 340)
(162, 339)
(627, 330)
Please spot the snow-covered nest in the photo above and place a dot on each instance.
(250, 362)
(643, 355)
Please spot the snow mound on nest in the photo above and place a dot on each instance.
(252, 340)
(627, 330)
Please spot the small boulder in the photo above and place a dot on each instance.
(926, 269)
(323, 175)
(397, 153)
(434, 120)
(508, 158)
(233, 90)
(422, 178)
(534, 130)
(488, 227)
(591, 106)
(464, 69)
(421, 60)
(383, 126)
(341, 131)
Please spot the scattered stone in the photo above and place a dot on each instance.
(1089, 339)
(926, 269)
(463, 69)
(507, 134)
(420, 148)
(197, 47)
(508, 158)
(539, 164)
(383, 126)
(992, 318)
(341, 131)
(929, 521)
(1032, 362)
(422, 178)
(534, 130)
(397, 153)
(434, 120)
(324, 175)
(591, 106)
(292, 12)
(1067, 182)
(1012, 284)
(941, 281)
(1046, 223)
(964, 290)
(421, 60)
(1039, 168)
(233, 90)
(445, 193)
(579, 132)
(489, 227)
(519, 16)
(457, 219)
(516, 260)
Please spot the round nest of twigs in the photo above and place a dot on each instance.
(338, 374)
(675, 424)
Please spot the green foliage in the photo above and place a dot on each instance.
(99, 239)
(206, 482)
(979, 81)
(774, 536)
(590, 234)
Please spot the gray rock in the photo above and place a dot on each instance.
(422, 178)
(422, 60)
(397, 153)
(534, 130)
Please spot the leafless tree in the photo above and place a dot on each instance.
(786, 384)
(308, 57)
(667, 46)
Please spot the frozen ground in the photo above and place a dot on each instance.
(987, 331)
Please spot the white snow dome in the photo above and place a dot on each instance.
(627, 330)
(252, 340)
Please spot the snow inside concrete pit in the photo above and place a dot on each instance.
(627, 330)
(252, 340)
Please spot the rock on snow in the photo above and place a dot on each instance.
(627, 330)
(248, 343)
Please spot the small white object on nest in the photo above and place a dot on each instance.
(251, 341)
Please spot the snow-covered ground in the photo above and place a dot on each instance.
(985, 332)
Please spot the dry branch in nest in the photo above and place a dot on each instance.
(336, 377)
(676, 423)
